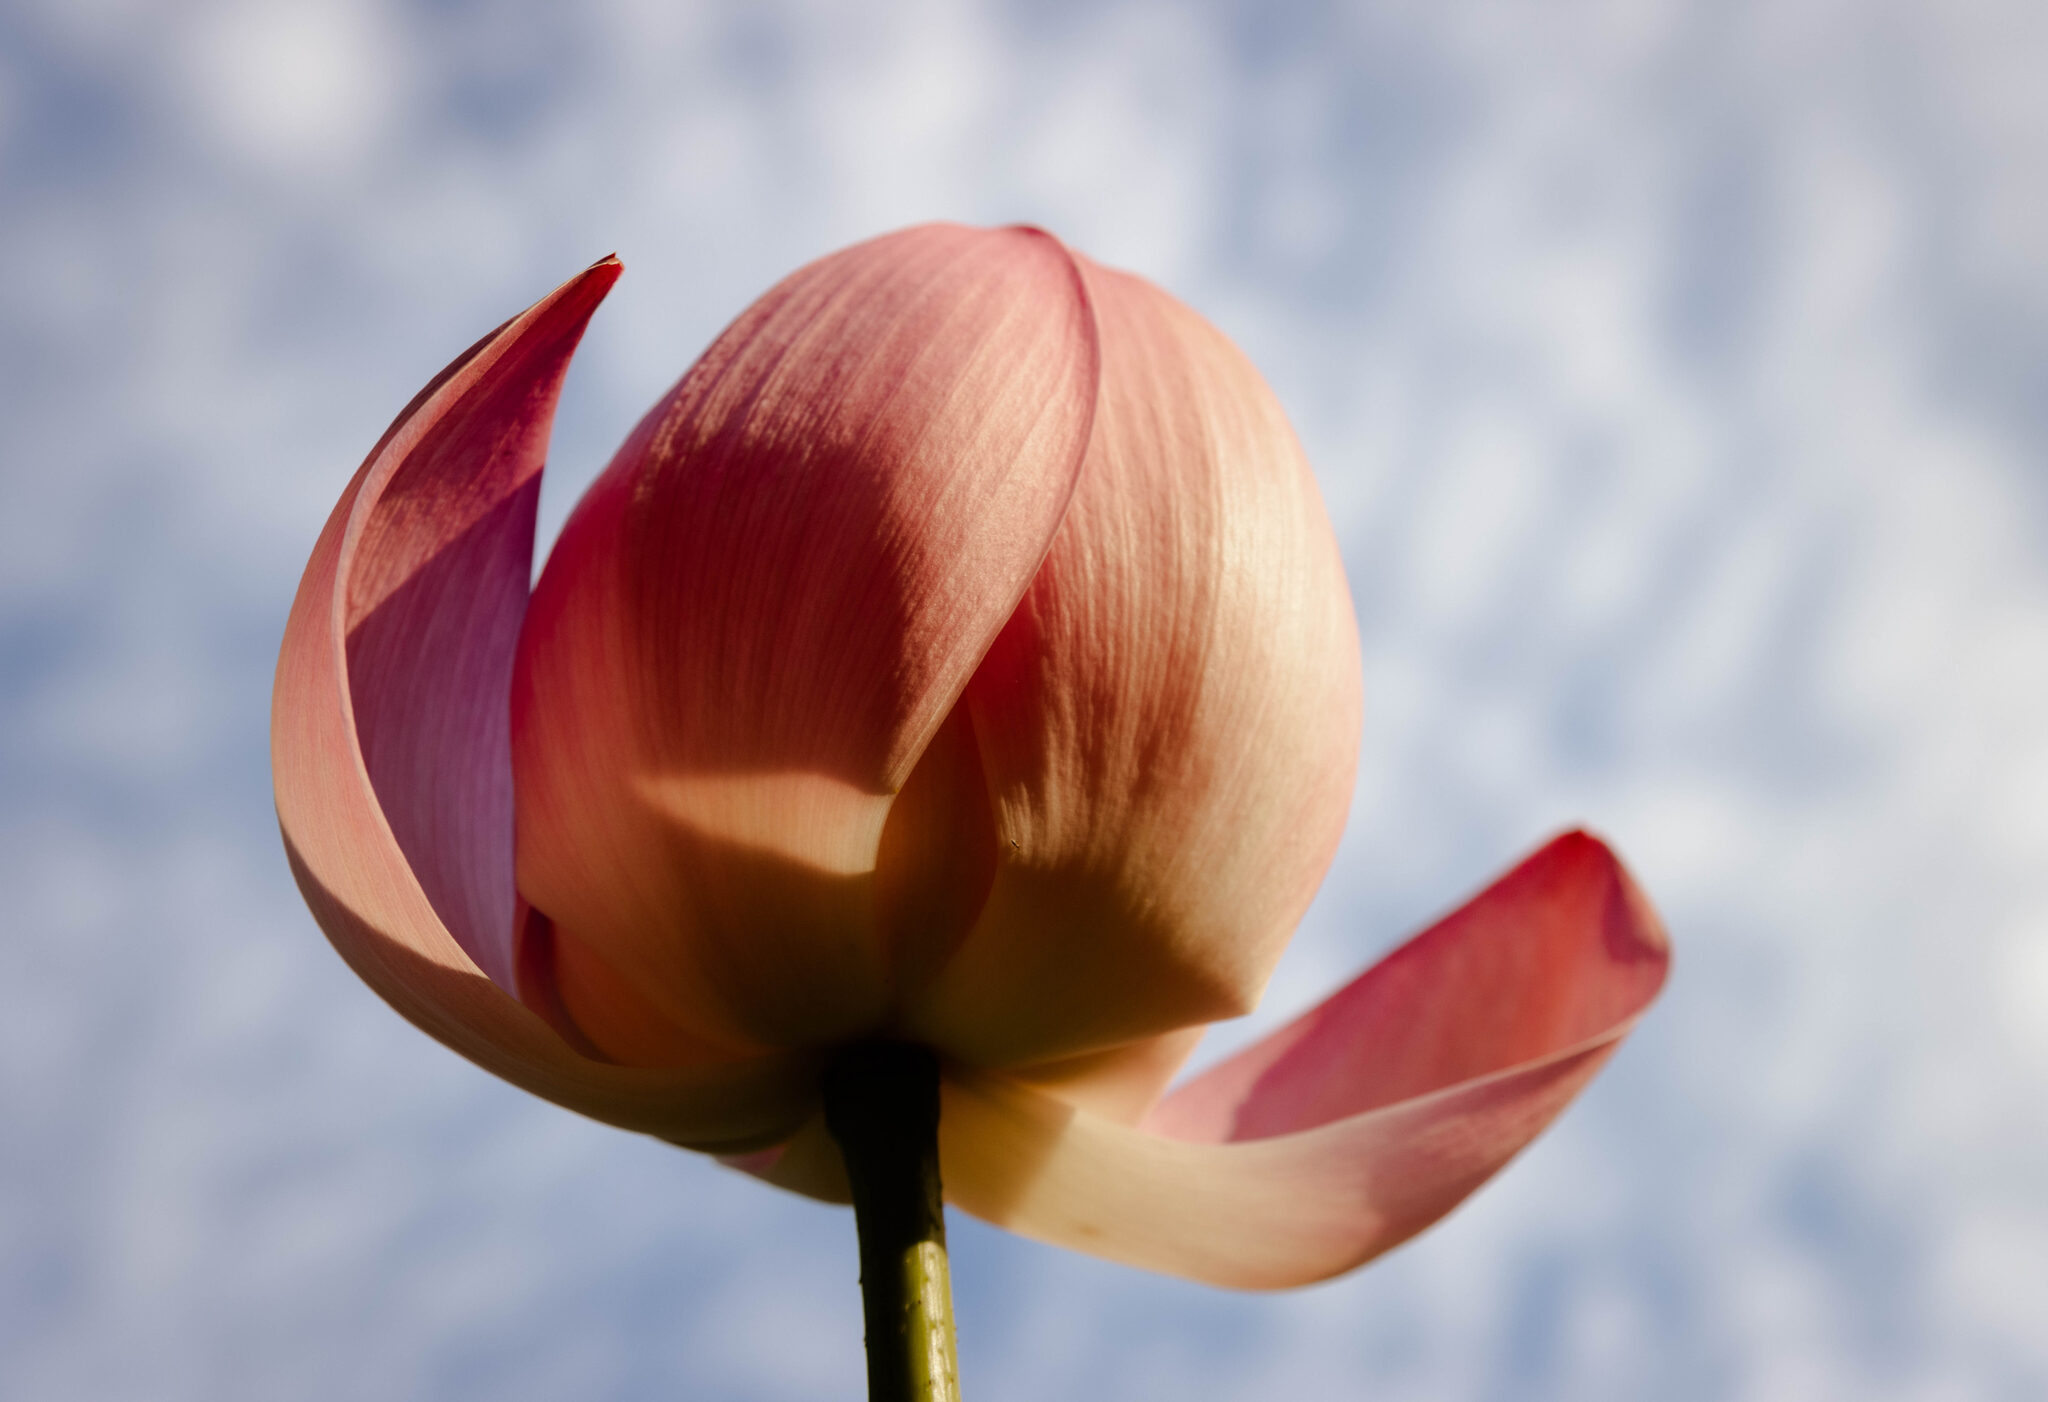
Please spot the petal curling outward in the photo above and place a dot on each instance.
(1356, 1126)
(389, 737)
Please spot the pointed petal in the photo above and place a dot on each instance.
(388, 735)
(1354, 1128)
(1562, 949)
(1168, 724)
(759, 617)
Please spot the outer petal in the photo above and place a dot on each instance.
(389, 742)
(759, 618)
(1168, 725)
(1358, 1125)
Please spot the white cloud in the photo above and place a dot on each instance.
(305, 88)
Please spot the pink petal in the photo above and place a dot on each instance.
(388, 735)
(1168, 725)
(1561, 950)
(760, 616)
(1358, 1125)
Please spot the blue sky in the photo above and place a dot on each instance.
(1677, 375)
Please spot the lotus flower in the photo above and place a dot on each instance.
(959, 655)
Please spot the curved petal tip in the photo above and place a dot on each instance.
(1359, 1124)
(389, 746)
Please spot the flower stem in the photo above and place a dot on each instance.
(882, 1105)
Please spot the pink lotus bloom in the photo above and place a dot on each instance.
(959, 654)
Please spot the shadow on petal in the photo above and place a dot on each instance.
(429, 665)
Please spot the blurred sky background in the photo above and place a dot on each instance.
(1677, 375)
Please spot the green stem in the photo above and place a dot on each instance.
(882, 1105)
